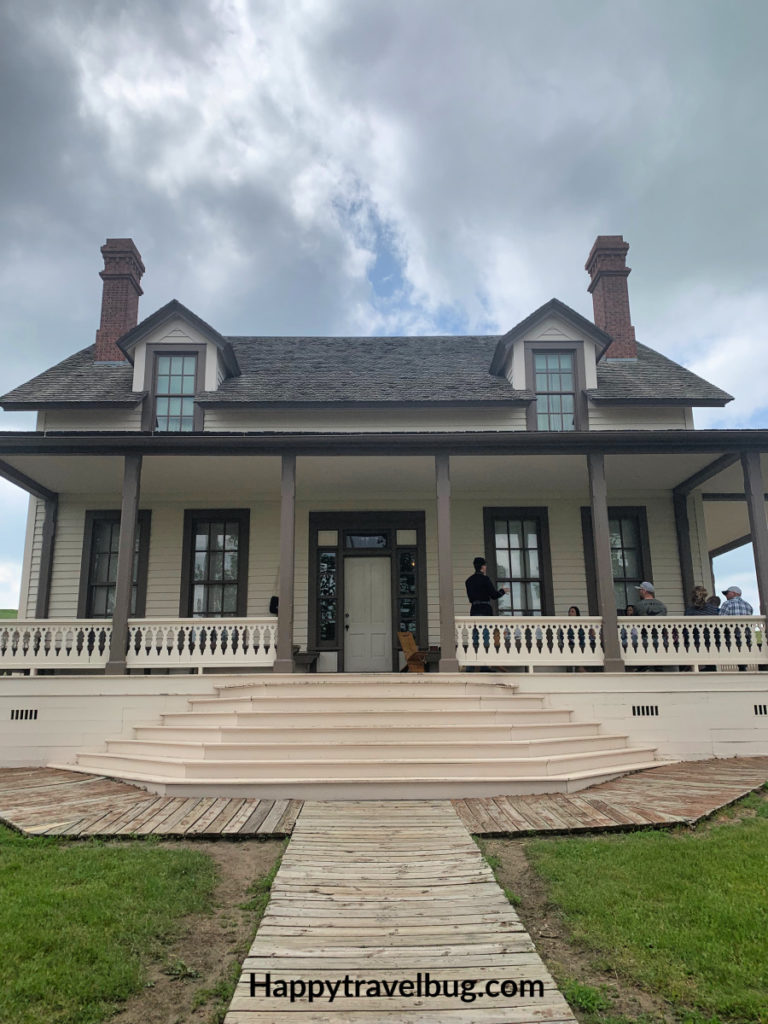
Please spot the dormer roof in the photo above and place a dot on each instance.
(555, 308)
(175, 310)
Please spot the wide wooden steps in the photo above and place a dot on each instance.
(366, 737)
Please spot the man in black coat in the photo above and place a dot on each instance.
(480, 590)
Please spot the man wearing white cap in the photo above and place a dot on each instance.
(649, 604)
(734, 603)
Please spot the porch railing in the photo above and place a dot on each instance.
(646, 641)
(54, 644)
(525, 642)
(201, 643)
(721, 641)
(152, 643)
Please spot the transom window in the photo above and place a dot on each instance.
(554, 383)
(175, 381)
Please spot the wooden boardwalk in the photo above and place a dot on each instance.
(48, 801)
(383, 893)
(673, 794)
(51, 802)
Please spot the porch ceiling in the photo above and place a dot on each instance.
(237, 477)
(217, 479)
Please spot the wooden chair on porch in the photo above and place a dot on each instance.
(415, 660)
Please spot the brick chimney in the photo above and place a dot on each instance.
(121, 275)
(606, 265)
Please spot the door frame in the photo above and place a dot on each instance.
(386, 521)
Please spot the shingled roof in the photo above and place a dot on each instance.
(313, 371)
(653, 378)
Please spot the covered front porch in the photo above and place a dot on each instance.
(337, 525)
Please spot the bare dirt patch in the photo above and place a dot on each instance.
(545, 925)
(185, 985)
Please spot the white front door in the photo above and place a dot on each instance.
(367, 615)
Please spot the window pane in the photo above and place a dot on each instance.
(367, 540)
(200, 565)
(217, 536)
(177, 363)
(502, 565)
(632, 564)
(229, 604)
(230, 565)
(198, 601)
(215, 566)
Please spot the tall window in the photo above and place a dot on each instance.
(554, 383)
(216, 557)
(626, 558)
(99, 567)
(630, 553)
(175, 377)
(519, 540)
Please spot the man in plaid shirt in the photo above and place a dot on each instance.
(734, 603)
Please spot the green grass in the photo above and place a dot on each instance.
(680, 914)
(8, 613)
(79, 920)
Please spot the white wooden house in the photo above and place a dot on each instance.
(180, 479)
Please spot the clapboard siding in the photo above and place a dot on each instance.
(93, 419)
(163, 592)
(635, 417)
(30, 571)
(65, 579)
(365, 420)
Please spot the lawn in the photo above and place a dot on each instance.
(80, 921)
(682, 915)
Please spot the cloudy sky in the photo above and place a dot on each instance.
(385, 167)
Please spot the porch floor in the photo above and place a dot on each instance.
(48, 801)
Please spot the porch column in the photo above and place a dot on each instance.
(46, 559)
(683, 529)
(606, 601)
(448, 660)
(129, 514)
(754, 489)
(284, 661)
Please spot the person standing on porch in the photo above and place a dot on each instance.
(734, 603)
(480, 590)
(649, 604)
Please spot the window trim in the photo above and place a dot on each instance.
(580, 405)
(539, 512)
(243, 516)
(152, 351)
(144, 525)
(589, 547)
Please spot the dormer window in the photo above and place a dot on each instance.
(555, 387)
(173, 375)
(175, 386)
(556, 375)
